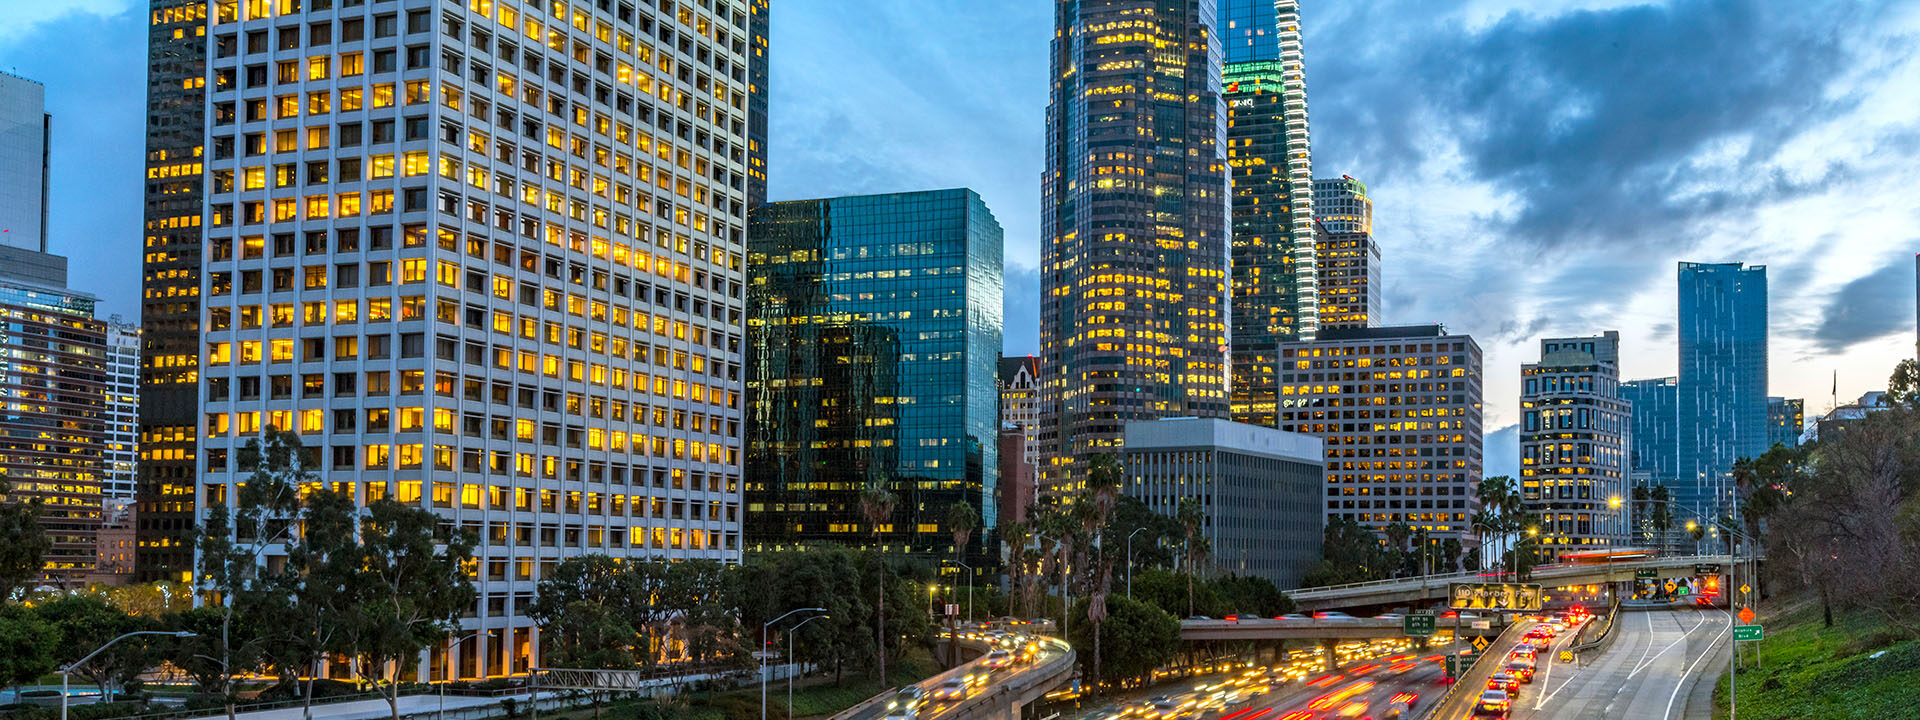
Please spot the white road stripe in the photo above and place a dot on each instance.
(1704, 652)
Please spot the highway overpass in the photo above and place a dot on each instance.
(1415, 591)
(1321, 629)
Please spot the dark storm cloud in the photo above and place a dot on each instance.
(1871, 306)
(1627, 125)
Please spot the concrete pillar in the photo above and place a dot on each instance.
(1326, 651)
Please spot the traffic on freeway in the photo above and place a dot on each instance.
(1011, 652)
(1378, 680)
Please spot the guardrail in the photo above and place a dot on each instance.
(1606, 635)
(1555, 568)
(1043, 674)
(1466, 679)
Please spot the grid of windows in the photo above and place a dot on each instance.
(53, 375)
(487, 257)
(1574, 429)
(1400, 411)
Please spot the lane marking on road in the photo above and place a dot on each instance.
(1548, 678)
(1656, 656)
(1704, 652)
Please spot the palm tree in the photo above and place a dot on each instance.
(1103, 483)
(1190, 517)
(1014, 536)
(876, 502)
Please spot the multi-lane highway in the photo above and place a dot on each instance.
(1372, 675)
(1656, 661)
(984, 681)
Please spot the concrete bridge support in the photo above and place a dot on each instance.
(1331, 660)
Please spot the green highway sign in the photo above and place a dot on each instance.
(1417, 625)
(1747, 633)
(1646, 574)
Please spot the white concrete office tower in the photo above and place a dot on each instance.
(1259, 490)
(123, 407)
(23, 163)
(1575, 433)
(486, 258)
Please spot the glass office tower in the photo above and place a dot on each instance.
(1133, 266)
(873, 339)
(54, 381)
(1275, 284)
(1723, 381)
(1786, 420)
(487, 259)
(169, 409)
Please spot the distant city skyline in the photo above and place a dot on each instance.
(1471, 197)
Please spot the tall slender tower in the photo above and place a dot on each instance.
(1723, 381)
(1275, 285)
(487, 259)
(1133, 226)
(1347, 258)
(170, 290)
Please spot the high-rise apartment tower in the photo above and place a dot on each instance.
(1133, 226)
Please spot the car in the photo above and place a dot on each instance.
(909, 697)
(1493, 704)
(952, 689)
(997, 659)
(1355, 709)
(1520, 669)
(1400, 706)
(902, 713)
(1331, 615)
(1388, 616)
(1502, 681)
(1166, 708)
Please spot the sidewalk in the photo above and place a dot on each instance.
(368, 709)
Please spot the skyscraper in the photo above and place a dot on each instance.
(1273, 276)
(1723, 380)
(1133, 226)
(122, 410)
(1400, 411)
(498, 279)
(169, 412)
(1574, 433)
(1020, 401)
(1655, 446)
(24, 135)
(873, 333)
(1786, 420)
(53, 387)
(1347, 258)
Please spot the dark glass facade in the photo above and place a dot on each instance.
(758, 25)
(1654, 451)
(1723, 380)
(1133, 205)
(1274, 284)
(873, 335)
(170, 299)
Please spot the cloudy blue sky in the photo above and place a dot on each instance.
(1538, 168)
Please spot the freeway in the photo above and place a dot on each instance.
(1373, 674)
(1402, 591)
(989, 681)
(1655, 662)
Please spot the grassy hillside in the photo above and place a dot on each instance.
(1856, 669)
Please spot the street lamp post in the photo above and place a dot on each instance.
(969, 570)
(68, 670)
(790, 633)
(445, 681)
(1136, 531)
(763, 654)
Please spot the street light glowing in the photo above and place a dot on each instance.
(1613, 502)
